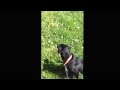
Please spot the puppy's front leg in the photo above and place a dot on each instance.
(71, 75)
(66, 71)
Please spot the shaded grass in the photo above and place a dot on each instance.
(59, 27)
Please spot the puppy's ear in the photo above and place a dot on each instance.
(69, 47)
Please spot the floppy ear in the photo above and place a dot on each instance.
(69, 47)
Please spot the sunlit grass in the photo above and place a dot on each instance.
(60, 27)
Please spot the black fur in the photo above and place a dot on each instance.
(75, 66)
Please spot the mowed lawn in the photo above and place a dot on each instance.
(58, 27)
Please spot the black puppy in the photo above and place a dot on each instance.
(73, 65)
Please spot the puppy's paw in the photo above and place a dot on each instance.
(66, 78)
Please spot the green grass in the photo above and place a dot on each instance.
(60, 27)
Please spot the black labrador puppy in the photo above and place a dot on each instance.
(73, 65)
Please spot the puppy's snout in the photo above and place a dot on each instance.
(59, 51)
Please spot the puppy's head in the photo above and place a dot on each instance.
(63, 48)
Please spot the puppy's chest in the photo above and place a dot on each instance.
(71, 64)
